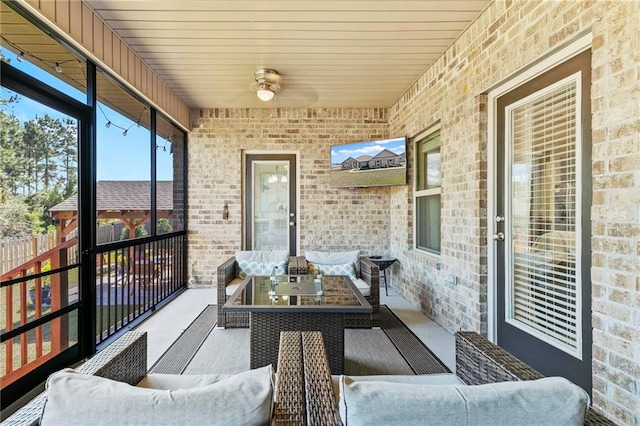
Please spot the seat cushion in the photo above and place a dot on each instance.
(550, 401)
(233, 286)
(361, 285)
(244, 398)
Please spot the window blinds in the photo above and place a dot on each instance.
(544, 296)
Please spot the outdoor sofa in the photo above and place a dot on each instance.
(478, 362)
(125, 361)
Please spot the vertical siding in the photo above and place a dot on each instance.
(84, 26)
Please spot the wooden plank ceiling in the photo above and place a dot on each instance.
(330, 53)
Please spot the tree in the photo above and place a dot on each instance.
(45, 138)
(163, 226)
(17, 218)
(12, 163)
(39, 163)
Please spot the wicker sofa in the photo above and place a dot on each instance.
(125, 360)
(478, 361)
(370, 274)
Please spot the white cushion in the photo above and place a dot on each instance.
(332, 257)
(263, 255)
(74, 398)
(233, 286)
(361, 285)
(548, 401)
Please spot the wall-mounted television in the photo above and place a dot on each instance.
(380, 162)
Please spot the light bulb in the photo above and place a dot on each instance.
(20, 57)
(125, 132)
(58, 67)
(108, 124)
(265, 93)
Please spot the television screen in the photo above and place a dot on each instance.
(373, 163)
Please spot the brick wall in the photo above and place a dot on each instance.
(506, 37)
(328, 219)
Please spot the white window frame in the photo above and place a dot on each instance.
(418, 194)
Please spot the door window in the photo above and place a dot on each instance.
(543, 142)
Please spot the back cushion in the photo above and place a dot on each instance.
(549, 401)
(332, 257)
(263, 255)
(80, 399)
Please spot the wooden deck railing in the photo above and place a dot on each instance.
(132, 278)
(31, 277)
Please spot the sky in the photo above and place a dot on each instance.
(340, 153)
(119, 157)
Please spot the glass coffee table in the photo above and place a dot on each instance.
(298, 303)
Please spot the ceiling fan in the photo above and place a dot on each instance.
(266, 84)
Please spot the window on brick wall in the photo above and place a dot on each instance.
(428, 180)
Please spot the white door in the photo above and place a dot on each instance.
(271, 210)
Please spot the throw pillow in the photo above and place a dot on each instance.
(261, 268)
(340, 269)
(75, 398)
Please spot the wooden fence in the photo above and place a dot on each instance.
(17, 251)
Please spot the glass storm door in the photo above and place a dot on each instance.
(270, 214)
(542, 223)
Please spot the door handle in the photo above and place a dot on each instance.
(498, 236)
(292, 223)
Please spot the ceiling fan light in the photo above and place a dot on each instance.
(265, 93)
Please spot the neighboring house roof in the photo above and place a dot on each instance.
(364, 158)
(114, 195)
(349, 160)
(385, 153)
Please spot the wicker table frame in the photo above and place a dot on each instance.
(266, 327)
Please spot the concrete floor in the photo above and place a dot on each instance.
(166, 325)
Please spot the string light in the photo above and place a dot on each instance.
(56, 65)
(125, 130)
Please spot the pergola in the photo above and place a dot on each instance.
(128, 201)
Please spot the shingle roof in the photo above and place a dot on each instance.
(114, 195)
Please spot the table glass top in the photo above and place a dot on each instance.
(298, 291)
